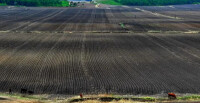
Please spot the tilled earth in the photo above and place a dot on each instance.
(68, 55)
(102, 19)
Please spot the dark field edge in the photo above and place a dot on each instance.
(191, 98)
(188, 99)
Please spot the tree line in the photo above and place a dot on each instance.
(152, 2)
(57, 3)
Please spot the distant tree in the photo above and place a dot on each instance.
(36, 2)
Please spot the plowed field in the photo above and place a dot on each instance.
(55, 50)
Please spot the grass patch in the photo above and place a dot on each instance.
(111, 2)
(22, 96)
(148, 98)
(112, 98)
(192, 97)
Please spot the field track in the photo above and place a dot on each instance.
(33, 55)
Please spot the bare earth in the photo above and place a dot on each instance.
(85, 50)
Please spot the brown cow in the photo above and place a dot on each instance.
(171, 96)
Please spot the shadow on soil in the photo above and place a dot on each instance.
(1, 98)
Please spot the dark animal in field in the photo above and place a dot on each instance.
(23, 91)
(81, 95)
(171, 96)
(10, 91)
(30, 92)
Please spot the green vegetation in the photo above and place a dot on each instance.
(53, 3)
(122, 25)
(64, 3)
(3, 4)
(148, 98)
(73, 4)
(148, 2)
(20, 96)
(112, 2)
(196, 3)
(192, 97)
(94, 99)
